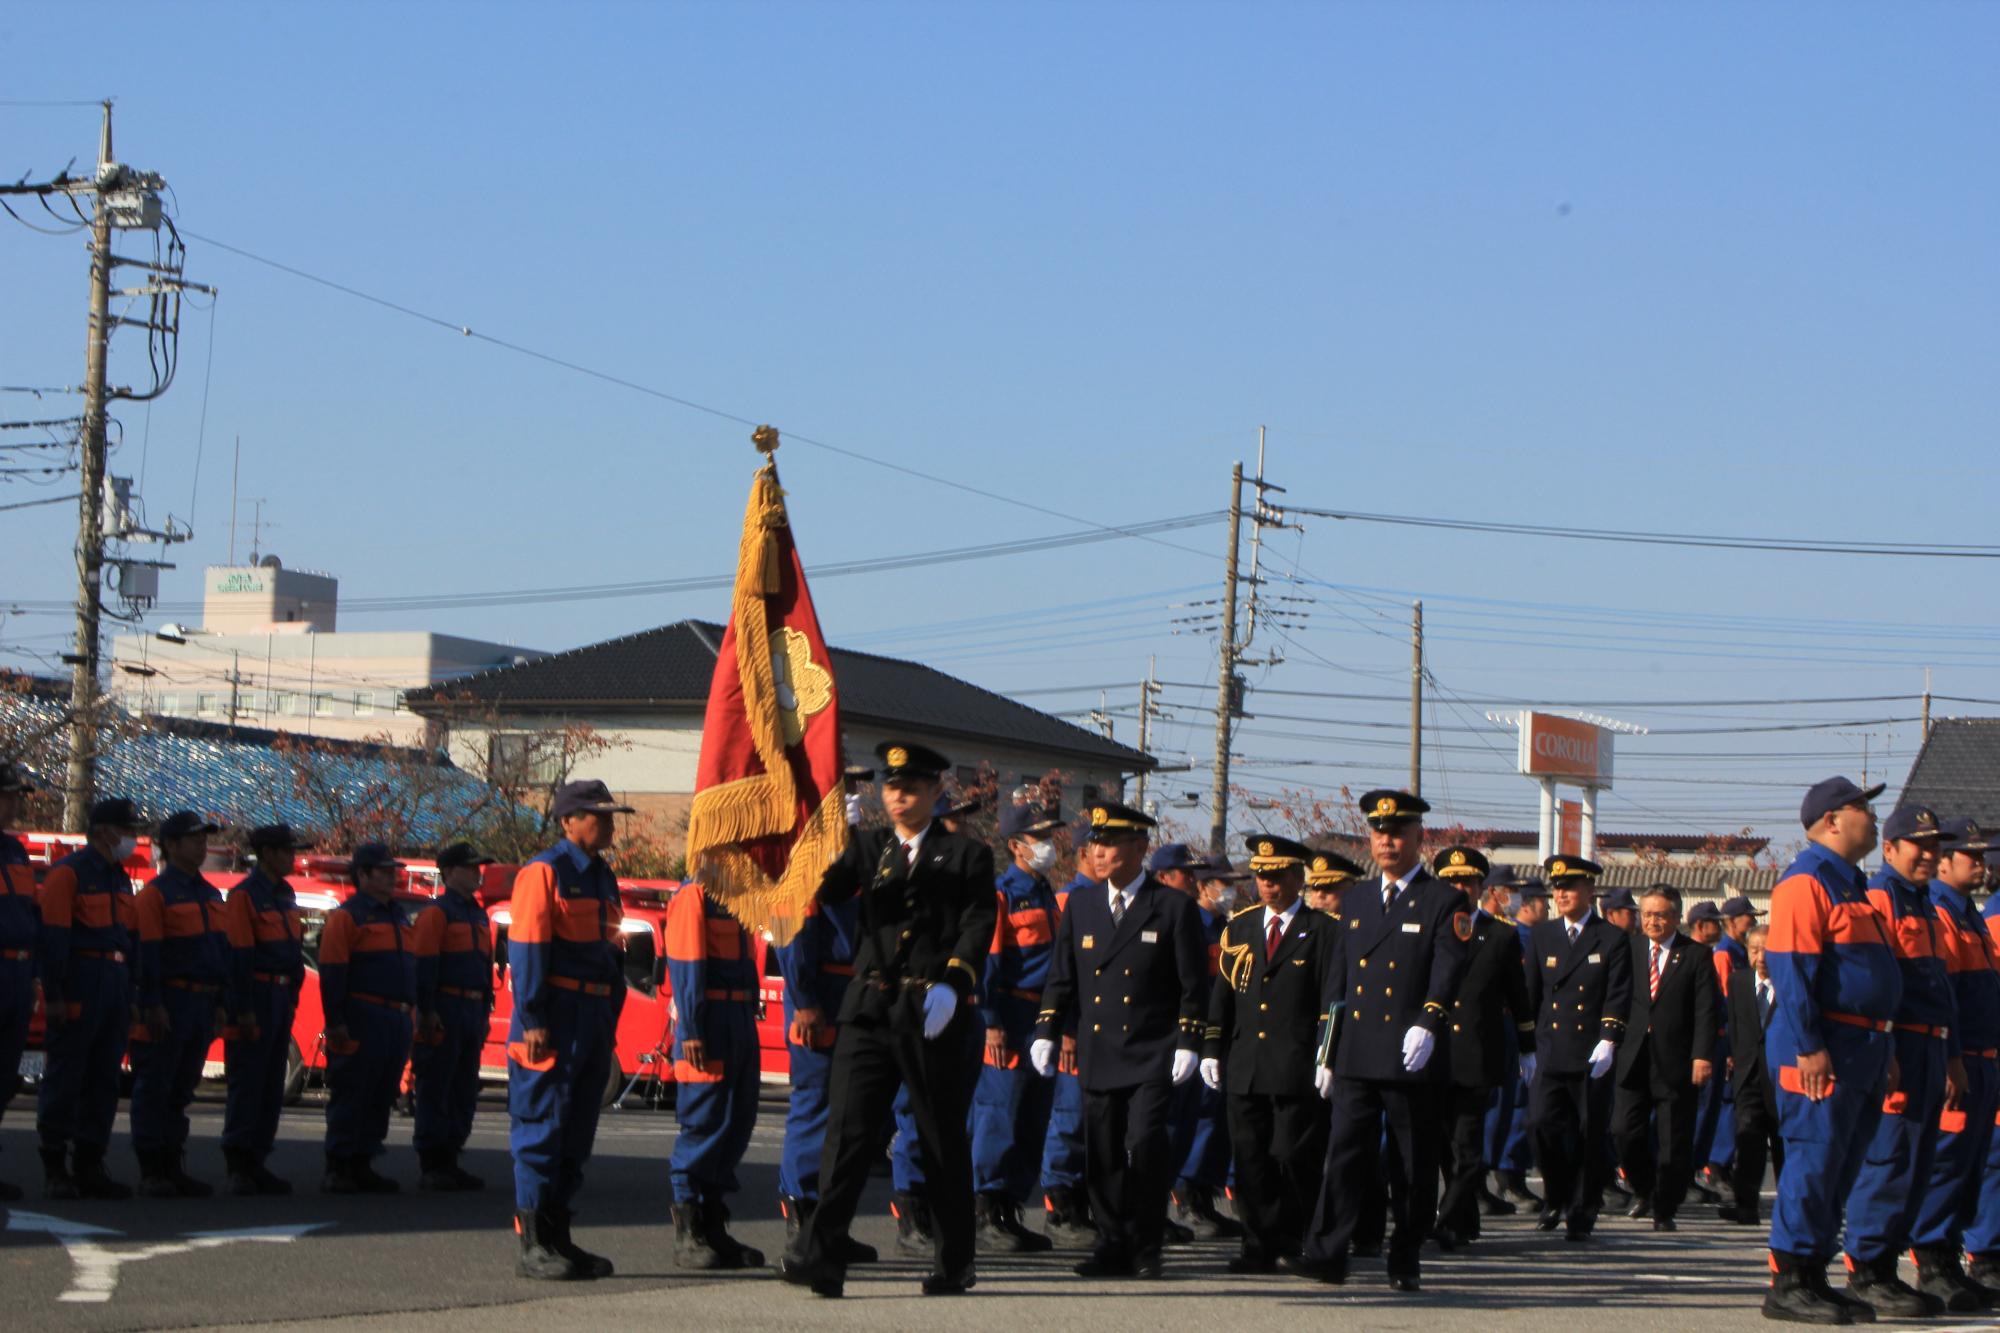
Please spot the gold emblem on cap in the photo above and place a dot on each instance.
(1319, 863)
(1386, 806)
(1559, 868)
(1458, 858)
(1924, 817)
(897, 756)
(1099, 816)
(1264, 848)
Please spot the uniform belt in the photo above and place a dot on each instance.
(1985, 1055)
(382, 1001)
(1857, 1021)
(272, 978)
(1031, 996)
(16, 955)
(586, 987)
(200, 987)
(837, 969)
(1925, 1030)
(461, 993)
(106, 955)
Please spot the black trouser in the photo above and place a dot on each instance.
(1355, 1162)
(1465, 1122)
(1127, 1167)
(1280, 1145)
(1571, 1119)
(1657, 1166)
(870, 1061)
(1757, 1142)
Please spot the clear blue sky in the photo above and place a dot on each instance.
(1690, 268)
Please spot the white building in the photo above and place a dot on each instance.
(267, 654)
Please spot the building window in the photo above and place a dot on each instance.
(285, 702)
(523, 758)
(364, 704)
(323, 705)
(208, 705)
(170, 704)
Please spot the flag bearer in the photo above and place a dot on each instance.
(184, 970)
(568, 990)
(1010, 1106)
(1837, 986)
(1951, 1202)
(88, 936)
(453, 945)
(367, 980)
(267, 967)
(713, 971)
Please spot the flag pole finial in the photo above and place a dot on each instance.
(766, 439)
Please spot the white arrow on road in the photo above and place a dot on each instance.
(96, 1265)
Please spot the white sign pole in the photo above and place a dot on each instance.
(1587, 847)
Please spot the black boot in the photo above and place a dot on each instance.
(735, 1254)
(366, 1181)
(989, 1236)
(539, 1258)
(1874, 1281)
(466, 1180)
(1814, 1272)
(587, 1265)
(1491, 1204)
(156, 1181)
(1194, 1208)
(87, 1169)
(242, 1178)
(268, 1182)
(1067, 1219)
(1984, 1271)
(1792, 1300)
(1939, 1275)
(339, 1178)
(1514, 1188)
(691, 1244)
(185, 1185)
(795, 1211)
(437, 1172)
(1029, 1242)
(913, 1224)
(57, 1183)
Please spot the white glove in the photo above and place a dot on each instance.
(1418, 1043)
(854, 807)
(940, 1003)
(1323, 1083)
(1528, 1067)
(1211, 1074)
(1184, 1063)
(1042, 1055)
(1601, 1056)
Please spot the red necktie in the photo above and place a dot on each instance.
(1655, 992)
(1272, 936)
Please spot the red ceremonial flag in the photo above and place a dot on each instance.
(770, 810)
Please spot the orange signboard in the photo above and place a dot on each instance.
(1569, 828)
(1563, 747)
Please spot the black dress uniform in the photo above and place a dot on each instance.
(1665, 1035)
(1398, 959)
(1267, 1018)
(924, 922)
(1492, 1027)
(1581, 990)
(1133, 990)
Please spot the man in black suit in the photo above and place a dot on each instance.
(1756, 1098)
(1580, 987)
(1666, 1059)
(1492, 1034)
(1267, 1018)
(1398, 960)
(926, 922)
(1130, 975)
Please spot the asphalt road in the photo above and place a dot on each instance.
(437, 1262)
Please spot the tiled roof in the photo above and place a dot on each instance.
(236, 776)
(669, 669)
(1735, 844)
(1957, 773)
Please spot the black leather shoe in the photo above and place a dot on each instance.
(1665, 1224)
(1576, 1233)
(1104, 1265)
(851, 1251)
(802, 1274)
(1492, 1205)
(1550, 1219)
(1447, 1239)
(1792, 1301)
(1331, 1273)
(1366, 1251)
(949, 1284)
(1147, 1267)
(1741, 1216)
(1173, 1233)
(1641, 1207)
(1258, 1262)
(1402, 1282)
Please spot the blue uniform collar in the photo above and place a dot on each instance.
(575, 854)
(1816, 859)
(1944, 893)
(1021, 880)
(1888, 877)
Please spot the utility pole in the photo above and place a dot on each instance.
(1147, 689)
(1927, 703)
(1417, 699)
(80, 783)
(1226, 697)
(235, 680)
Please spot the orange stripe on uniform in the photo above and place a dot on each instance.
(428, 938)
(576, 921)
(459, 938)
(239, 919)
(533, 904)
(336, 941)
(59, 899)
(725, 940)
(151, 910)
(1030, 927)
(378, 937)
(1951, 1122)
(1856, 923)
(184, 921)
(686, 927)
(19, 881)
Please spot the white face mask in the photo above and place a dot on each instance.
(126, 846)
(1041, 856)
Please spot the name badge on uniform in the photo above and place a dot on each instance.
(1413, 928)
(1149, 937)
(1551, 962)
(1090, 941)
(1595, 958)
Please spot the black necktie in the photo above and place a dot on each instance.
(1117, 907)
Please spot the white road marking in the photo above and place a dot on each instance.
(95, 1266)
